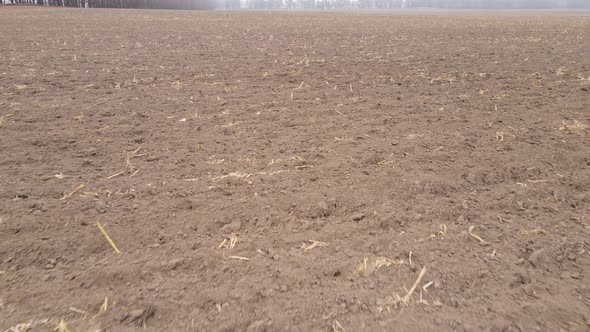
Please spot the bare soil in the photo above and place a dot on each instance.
(294, 171)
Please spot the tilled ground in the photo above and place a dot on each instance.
(294, 171)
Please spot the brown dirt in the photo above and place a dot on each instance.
(383, 136)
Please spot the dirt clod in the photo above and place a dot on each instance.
(538, 257)
(174, 263)
(233, 227)
(357, 216)
(138, 317)
(186, 204)
(437, 284)
(100, 206)
(322, 209)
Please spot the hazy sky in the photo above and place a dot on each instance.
(376, 4)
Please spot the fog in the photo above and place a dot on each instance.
(393, 4)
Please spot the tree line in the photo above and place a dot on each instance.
(155, 4)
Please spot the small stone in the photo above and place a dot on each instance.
(437, 284)
(123, 317)
(537, 257)
(233, 227)
(151, 191)
(100, 206)
(283, 289)
(357, 216)
(139, 316)
(471, 177)
(520, 279)
(520, 261)
(575, 275)
(174, 263)
(276, 257)
(135, 314)
(256, 326)
(186, 204)
(464, 235)
(322, 205)
(571, 257)
(460, 219)
(47, 277)
(50, 264)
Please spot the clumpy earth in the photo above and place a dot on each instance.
(294, 171)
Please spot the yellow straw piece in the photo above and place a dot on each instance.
(62, 326)
(222, 243)
(103, 308)
(473, 235)
(108, 238)
(73, 192)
